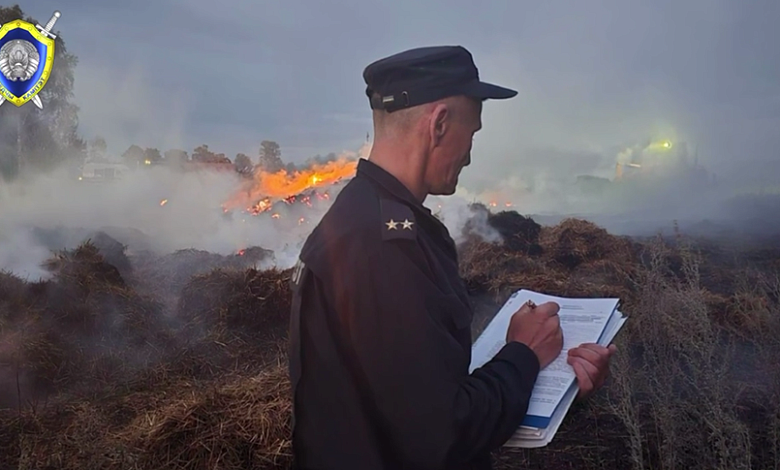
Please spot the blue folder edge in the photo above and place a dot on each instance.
(536, 421)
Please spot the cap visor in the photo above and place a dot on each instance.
(488, 91)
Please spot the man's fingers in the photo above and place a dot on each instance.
(591, 365)
(595, 357)
(604, 353)
(548, 309)
(592, 369)
(583, 378)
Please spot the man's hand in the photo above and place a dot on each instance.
(591, 366)
(539, 328)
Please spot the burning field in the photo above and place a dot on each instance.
(130, 353)
(125, 360)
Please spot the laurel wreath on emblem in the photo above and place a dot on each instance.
(19, 60)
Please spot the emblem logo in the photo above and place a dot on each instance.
(26, 60)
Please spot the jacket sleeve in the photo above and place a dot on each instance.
(433, 411)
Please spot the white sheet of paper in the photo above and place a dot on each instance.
(528, 437)
(582, 321)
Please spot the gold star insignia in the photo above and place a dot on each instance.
(407, 225)
(391, 225)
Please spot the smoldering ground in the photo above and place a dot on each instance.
(114, 295)
(148, 372)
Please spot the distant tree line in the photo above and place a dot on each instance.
(269, 157)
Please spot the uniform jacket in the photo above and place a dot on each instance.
(380, 343)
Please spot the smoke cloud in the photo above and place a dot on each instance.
(593, 81)
(130, 210)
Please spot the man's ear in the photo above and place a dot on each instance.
(439, 124)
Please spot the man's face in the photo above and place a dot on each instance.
(454, 150)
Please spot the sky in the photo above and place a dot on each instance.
(591, 75)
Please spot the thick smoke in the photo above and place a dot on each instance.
(161, 210)
(130, 210)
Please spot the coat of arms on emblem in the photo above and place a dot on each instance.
(26, 60)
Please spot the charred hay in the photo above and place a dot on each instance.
(246, 301)
(210, 399)
(166, 275)
(575, 241)
(113, 252)
(577, 259)
(73, 329)
(519, 233)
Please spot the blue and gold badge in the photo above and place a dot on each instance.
(26, 60)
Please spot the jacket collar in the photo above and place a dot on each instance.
(397, 190)
(388, 182)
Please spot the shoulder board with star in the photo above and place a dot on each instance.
(397, 220)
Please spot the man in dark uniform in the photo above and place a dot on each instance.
(380, 341)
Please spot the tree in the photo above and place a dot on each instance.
(221, 158)
(243, 164)
(40, 139)
(270, 156)
(134, 156)
(202, 154)
(152, 156)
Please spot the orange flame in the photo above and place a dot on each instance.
(163, 202)
(266, 186)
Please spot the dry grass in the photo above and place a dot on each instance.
(695, 384)
(243, 423)
(177, 362)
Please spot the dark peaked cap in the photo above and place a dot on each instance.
(427, 74)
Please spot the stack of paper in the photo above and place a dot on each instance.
(582, 321)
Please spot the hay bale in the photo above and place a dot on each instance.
(519, 233)
(490, 267)
(602, 278)
(574, 241)
(580, 259)
(249, 257)
(82, 329)
(168, 274)
(244, 424)
(84, 267)
(89, 296)
(243, 301)
(113, 252)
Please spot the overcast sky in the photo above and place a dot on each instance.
(591, 74)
